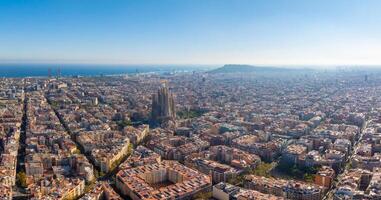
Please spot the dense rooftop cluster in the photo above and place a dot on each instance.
(11, 113)
(141, 182)
(52, 167)
(201, 135)
(102, 190)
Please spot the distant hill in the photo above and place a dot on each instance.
(231, 68)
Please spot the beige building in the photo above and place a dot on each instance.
(165, 180)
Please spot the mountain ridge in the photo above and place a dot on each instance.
(240, 68)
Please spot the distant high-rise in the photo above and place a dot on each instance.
(49, 72)
(163, 105)
(58, 72)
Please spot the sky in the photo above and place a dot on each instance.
(262, 32)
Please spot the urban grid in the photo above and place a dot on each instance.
(226, 133)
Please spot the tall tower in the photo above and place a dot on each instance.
(49, 72)
(163, 104)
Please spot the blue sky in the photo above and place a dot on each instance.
(275, 32)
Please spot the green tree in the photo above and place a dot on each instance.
(187, 114)
(124, 123)
(77, 151)
(21, 179)
(309, 177)
(203, 195)
(101, 174)
(237, 180)
(263, 169)
(130, 149)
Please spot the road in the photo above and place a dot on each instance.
(340, 176)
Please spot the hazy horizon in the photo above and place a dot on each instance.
(191, 32)
(86, 66)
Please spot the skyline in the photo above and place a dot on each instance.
(209, 32)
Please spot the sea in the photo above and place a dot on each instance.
(67, 70)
